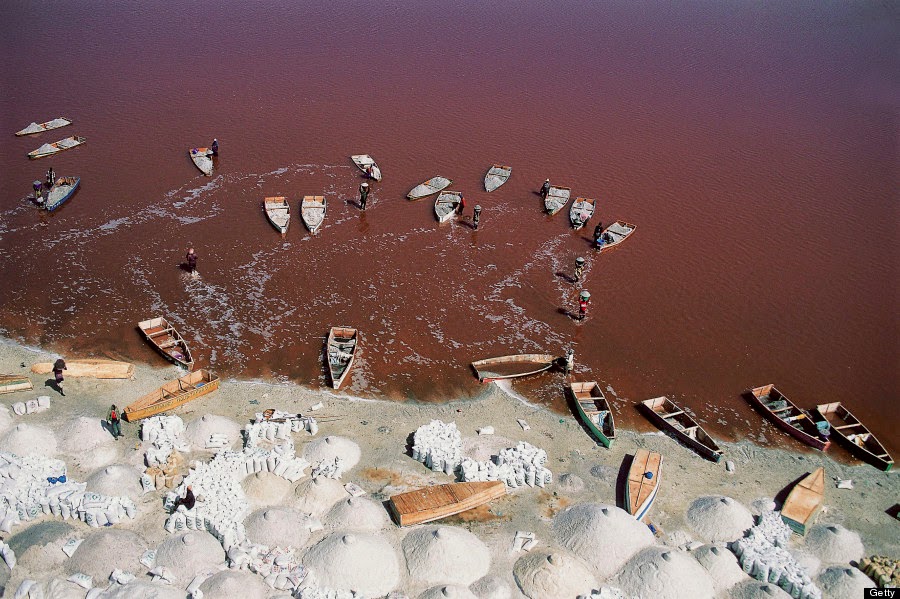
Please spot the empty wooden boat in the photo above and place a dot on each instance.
(496, 176)
(312, 212)
(10, 383)
(366, 164)
(851, 433)
(430, 187)
(581, 212)
(46, 126)
(615, 234)
(643, 482)
(670, 418)
(557, 198)
(439, 501)
(788, 417)
(341, 350)
(510, 367)
(61, 192)
(201, 158)
(594, 410)
(278, 211)
(90, 368)
(167, 341)
(56, 147)
(804, 502)
(172, 394)
(446, 204)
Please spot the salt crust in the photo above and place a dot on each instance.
(356, 513)
(316, 496)
(721, 564)
(357, 561)
(278, 527)
(105, 550)
(445, 555)
(664, 573)
(142, 589)
(754, 589)
(840, 582)
(231, 584)
(190, 552)
(29, 439)
(834, 544)
(265, 488)
(198, 431)
(117, 479)
(717, 518)
(330, 447)
(448, 592)
(541, 575)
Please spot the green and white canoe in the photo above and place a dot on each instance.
(594, 410)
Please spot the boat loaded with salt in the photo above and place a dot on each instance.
(429, 187)
(57, 146)
(312, 212)
(594, 410)
(340, 349)
(581, 212)
(363, 162)
(278, 211)
(615, 234)
(202, 160)
(669, 417)
(61, 192)
(446, 204)
(557, 198)
(496, 176)
(46, 126)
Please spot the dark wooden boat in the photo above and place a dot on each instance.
(670, 418)
(341, 350)
(787, 416)
(172, 394)
(61, 191)
(851, 433)
(90, 368)
(615, 234)
(167, 341)
(510, 367)
(10, 383)
(643, 482)
(594, 410)
(804, 502)
(433, 503)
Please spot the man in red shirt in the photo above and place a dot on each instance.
(583, 301)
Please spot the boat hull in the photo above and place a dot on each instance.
(89, 368)
(804, 502)
(757, 397)
(712, 453)
(530, 364)
(429, 187)
(439, 501)
(845, 428)
(496, 176)
(200, 158)
(617, 238)
(591, 392)
(340, 339)
(172, 394)
(61, 193)
(641, 492)
(167, 341)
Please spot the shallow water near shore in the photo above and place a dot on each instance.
(750, 144)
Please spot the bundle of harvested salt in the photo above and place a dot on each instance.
(438, 446)
(515, 466)
(198, 431)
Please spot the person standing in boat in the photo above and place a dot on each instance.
(363, 195)
(51, 177)
(191, 258)
(579, 268)
(215, 147)
(58, 367)
(113, 419)
(545, 189)
(476, 216)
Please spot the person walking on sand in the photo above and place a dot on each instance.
(58, 367)
(579, 268)
(545, 189)
(461, 205)
(583, 301)
(476, 216)
(363, 195)
(113, 419)
(187, 501)
(215, 147)
(191, 258)
(51, 177)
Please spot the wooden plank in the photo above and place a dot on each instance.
(439, 501)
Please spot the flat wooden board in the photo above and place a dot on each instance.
(440, 501)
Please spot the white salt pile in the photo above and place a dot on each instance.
(491, 587)
(105, 550)
(316, 496)
(445, 555)
(141, 589)
(6, 419)
(361, 562)
(199, 431)
(265, 488)
(88, 442)
(717, 518)
(118, 479)
(753, 589)
(603, 535)
(448, 592)
(570, 484)
(55, 588)
(664, 573)
(541, 575)
(356, 513)
(331, 447)
(230, 584)
(38, 546)
(722, 566)
(438, 446)
(515, 466)
(188, 553)
(278, 527)
(29, 439)
(839, 582)
(834, 544)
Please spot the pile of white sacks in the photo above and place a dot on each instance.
(438, 446)
(516, 466)
(269, 430)
(323, 593)
(8, 555)
(26, 492)
(32, 405)
(164, 435)
(762, 556)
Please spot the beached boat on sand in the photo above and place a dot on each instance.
(439, 501)
(557, 198)
(363, 162)
(61, 192)
(446, 204)
(312, 212)
(202, 160)
(788, 417)
(57, 146)
(615, 234)
(340, 350)
(804, 502)
(46, 126)
(510, 367)
(594, 411)
(9, 383)
(172, 394)
(581, 212)
(278, 211)
(643, 482)
(432, 186)
(851, 433)
(670, 418)
(496, 176)
(90, 368)
(167, 341)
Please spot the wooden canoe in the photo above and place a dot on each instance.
(202, 160)
(641, 490)
(430, 187)
(57, 146)
(510, 367)
(172, 394)
(340, 350)
(594, 410)
(446, 204)
(804, 502)
(363, 162)
(439, 501)
(496, 176)
(663, 412)
(90, 368)
(787, 416)
(312, 212)
(615, 234)
(278, 211)
(61, 191)
(581, 212)
(10, 383)
(851, 433)
(46, 126)
(167, 341)
(557, 198)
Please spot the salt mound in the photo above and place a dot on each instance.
(229, 584)
(190, 552)
(718, 518)
(602, 535)
(357, 513)
(316, 496)
(762, 506)
(116, 480)
(722, 566)
(753, 589)
(265, 488)
(37, 547)
(664, 573)
(839, 582)
(332, 447)
(198, 431)
(88, 442)
(278, 527)
(361, 562)
(491, 587)
(29, 439)
(56, 588)
(448, 592)
(105, 550)
(141, 589)
(541, 575)
(834, 544)
(445, 555)
(6, 418)
(570, 483)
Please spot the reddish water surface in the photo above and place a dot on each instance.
(754, 145)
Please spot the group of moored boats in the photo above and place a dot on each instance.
(62, 188)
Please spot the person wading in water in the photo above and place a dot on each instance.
(545, 189)
(363, 195)
(191, 258)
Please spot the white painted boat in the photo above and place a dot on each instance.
(557, 198)
(643, 482)
(363, 162)
(432, 186)
(446, 204)
(56, 147)
(278, 211)
(47, 126)
(496, 176)
(201, 158)
(312, 211)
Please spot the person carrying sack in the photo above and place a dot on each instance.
(113, 419)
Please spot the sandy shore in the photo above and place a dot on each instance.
(382, 430)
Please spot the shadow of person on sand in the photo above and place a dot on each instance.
(55, 386)
(107, 427)
(569, 313)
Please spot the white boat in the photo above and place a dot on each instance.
(496, 176)
(581, 212)
(56, 147)
(312, 211)
(201, 158)
(278, 212)
(41, 127)
(446, 204)
(432, 186)
(557, 198)
(363, 162)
